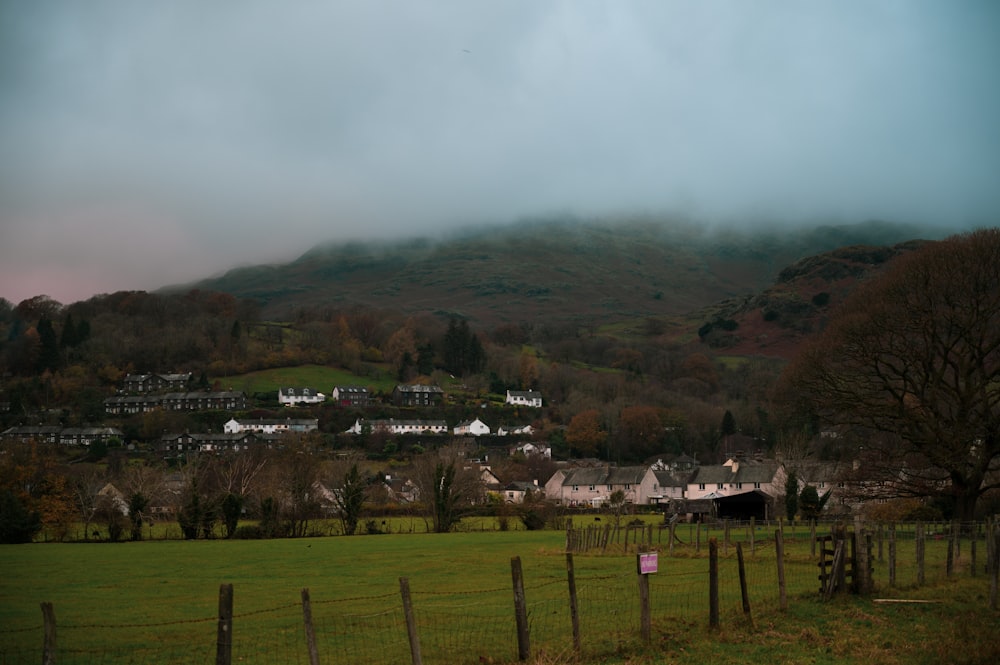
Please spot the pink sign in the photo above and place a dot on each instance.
(647, 563)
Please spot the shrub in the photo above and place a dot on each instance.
(248, 532)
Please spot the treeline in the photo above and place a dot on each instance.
(279, 492)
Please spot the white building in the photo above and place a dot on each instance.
(299, 425)
(472, 428)
(298, 396)
(530, 398)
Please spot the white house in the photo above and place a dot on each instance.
(299, 425)
(732, 478)
(297, 396)
(594, 486)
(515, 492)
(393, 426)
(530, 398)
(472, 428)
(522, 430)
(528, 449)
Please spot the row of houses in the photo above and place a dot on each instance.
(739, 488)
(124, 405)
(142, 384)
(67, 436)
(466, 428)
(411, 395)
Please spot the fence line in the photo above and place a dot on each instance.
(475, 625)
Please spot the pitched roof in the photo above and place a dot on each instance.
(616, 475)
(418, 388)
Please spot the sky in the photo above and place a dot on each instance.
(145, 144)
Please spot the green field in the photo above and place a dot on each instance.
(156, 602)
(318, 377)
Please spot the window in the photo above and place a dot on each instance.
(610, 487)
(739, 486)
(701, 486)
(756, 486)
(627, 486)
(576, 488)
(591, 488)
(822, 484)
(721, 486)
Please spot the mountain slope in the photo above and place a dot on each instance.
(551, 272)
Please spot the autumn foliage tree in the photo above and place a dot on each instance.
(912, 363)
(584, 435)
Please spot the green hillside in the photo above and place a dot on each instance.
(549, 271)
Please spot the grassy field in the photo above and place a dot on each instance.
(318, 377)
(156, 602)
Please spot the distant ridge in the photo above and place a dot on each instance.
(558, 272)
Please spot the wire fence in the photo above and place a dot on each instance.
(478, 625)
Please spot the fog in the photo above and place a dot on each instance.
(143, 144)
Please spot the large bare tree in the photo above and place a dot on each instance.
(912, 361)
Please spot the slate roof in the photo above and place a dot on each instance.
(759, 472)
(616, 475)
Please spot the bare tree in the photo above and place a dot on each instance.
(912, 360)
(449, 485)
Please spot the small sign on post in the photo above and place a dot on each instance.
(647, 563)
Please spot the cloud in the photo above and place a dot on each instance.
(242, 132)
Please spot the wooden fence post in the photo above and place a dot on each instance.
(49, 645)
(307, 619)
(411, 622)
(995, 568)
(224, 640)
(892, 554)
(779, 549)
(645, 620)
(972, 553)
(743, 583)
(713, 583)
(574, 614)
(919, 546)
(520, 610)
(880, 541)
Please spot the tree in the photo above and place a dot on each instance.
(463, 352)
(791, 496)
(584, 434)
(912, 363)
(350, 499)
(49, 356)
(137, 504)
(728, 426)
(642, 432)
(232, 509)
(17, 523)
(811, 503)
(448, 487)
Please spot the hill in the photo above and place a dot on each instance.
(774, 321)
(549, 272)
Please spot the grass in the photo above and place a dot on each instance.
(157, 602)
(318, 377)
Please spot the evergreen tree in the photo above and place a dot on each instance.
(791, 496)
(17, 523)
(69, 335)
(728, 424)
(48, 356)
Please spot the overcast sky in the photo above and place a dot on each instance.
(149, 143)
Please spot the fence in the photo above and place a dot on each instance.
(597, 605)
